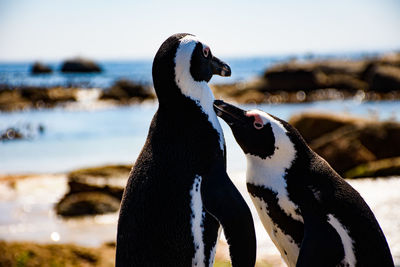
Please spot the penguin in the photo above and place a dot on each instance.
(178, 194)
(312, 215)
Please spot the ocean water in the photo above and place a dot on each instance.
(18, 74)
(79, 138)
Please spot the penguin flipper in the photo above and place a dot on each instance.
(321, 245)
(224, 202)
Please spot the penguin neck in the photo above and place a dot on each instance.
(201, 94)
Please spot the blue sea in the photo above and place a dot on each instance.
(19, 74)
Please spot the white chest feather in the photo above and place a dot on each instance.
(286, 245)
(270, 172)
(349, 256)
(197, 228)
(197, 222)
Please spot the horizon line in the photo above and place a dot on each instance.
(311, 54)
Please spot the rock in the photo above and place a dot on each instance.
(80, 65)
(11, 100)
(87, 203)
(126, 90)
(292, 77)
(29, 254)
(342, 149)
(11, 134)
(26, 131)
(40, 68)
(48, 97)
(379, 168)
(391, 59)
(95, 190)
(296, 76)
(313, 125)
(240, 92)
(346, 142)
(384, 78)
(105, 179)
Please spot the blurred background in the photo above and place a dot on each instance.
(76, 100)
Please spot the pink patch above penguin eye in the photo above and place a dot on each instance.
(206, 51)
(258, 122)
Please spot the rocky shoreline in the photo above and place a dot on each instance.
(369, 79)
(33, 254)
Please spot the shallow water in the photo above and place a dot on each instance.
(78, 138)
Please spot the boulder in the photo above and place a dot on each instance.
(313, 125)
(48, 97)
(291, 77)
(11, 99)
(94, 190)
(126, 90)
(378, 168)
(40, 68)
(87, 203)
(306, 76)
(346, 142)
(11, 134)
(80, 65)
(105, 179)
(384, 78)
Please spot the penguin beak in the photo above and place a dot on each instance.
(220, 68)
(229, 113)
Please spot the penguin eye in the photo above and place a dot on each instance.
(258, 122)
(258, 125)
(206, 51)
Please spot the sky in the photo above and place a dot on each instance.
(123, 30)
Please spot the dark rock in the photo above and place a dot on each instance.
(384, 78)
(39, 68)
(314, 125)
(35, 97)
(379, 168)
(80, 65)
(95, 190)
(293, 78)
(125, 90)
(347, 142)
(106, 179)
(11, 134)
(11, 100)
(87, 203)
(48, 96)
(342, 149)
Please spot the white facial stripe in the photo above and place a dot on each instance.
(270, 172)
(197, 222)
(349, 257)
(200, 92)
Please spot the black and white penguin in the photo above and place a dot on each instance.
(313, 216)
(178, 193)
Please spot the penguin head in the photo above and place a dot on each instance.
(258, 133)
(183, 66)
